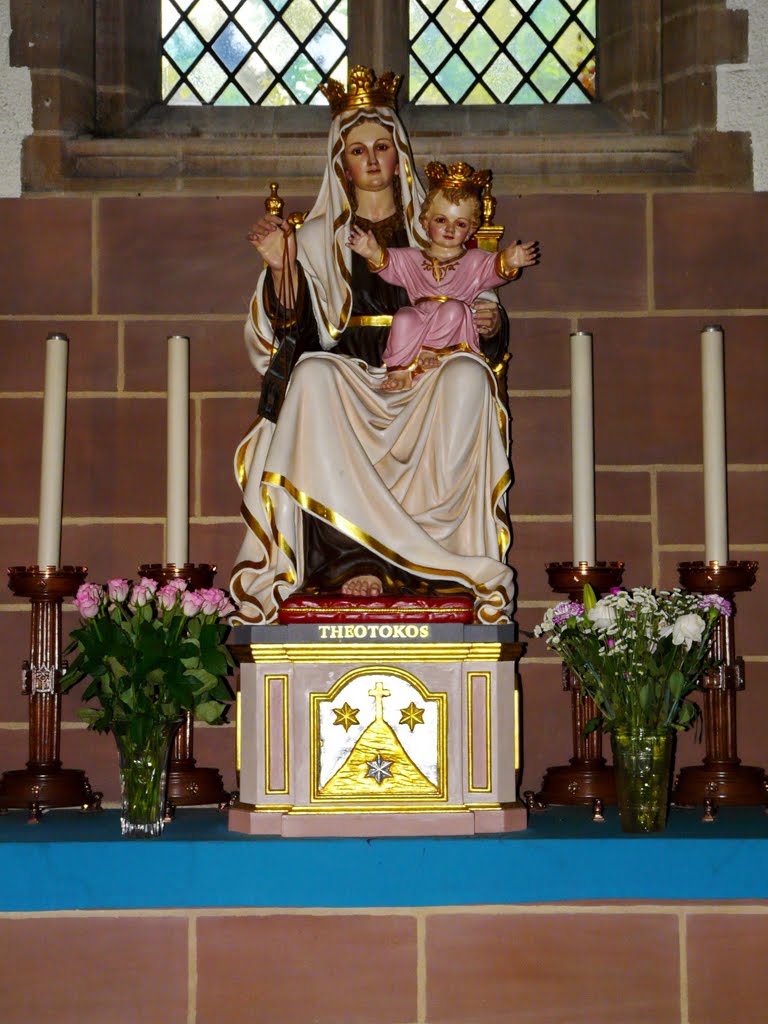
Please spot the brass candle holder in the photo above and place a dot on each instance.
(44, 783)
(721, 778)
(587, 778)
(188, 784)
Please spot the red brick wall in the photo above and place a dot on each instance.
(643, 271)
(671, 964)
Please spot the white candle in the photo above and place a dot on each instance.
(582, 449)
(713, 429)
(177, 514)
(52, 461)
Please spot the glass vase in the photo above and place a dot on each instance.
(143, 748)
(642, 762)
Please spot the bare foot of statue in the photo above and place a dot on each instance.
(362, 586)
(428, 362)
(396, 380)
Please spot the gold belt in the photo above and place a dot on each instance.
(382, 320)
(432, 298)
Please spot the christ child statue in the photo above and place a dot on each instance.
(444, 278)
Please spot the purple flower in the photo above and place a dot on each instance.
(117, 589)
(616, 590)
(715, 601)
(566, 610)
(88, 600)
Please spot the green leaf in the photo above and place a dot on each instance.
(206, 678)
(93, 718)
(214, 662)
(590, 598)
(128, 696)
(209, 711)
(687, 713)
(222, 691)
(118, 670)
(677, 684)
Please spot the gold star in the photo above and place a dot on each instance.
(346, 716)
(412, 716)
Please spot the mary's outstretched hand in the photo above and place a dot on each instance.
(269, 236)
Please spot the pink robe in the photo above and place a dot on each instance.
(439, 316)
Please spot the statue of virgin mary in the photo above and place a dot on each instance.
(354, 489)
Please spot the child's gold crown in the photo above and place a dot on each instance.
(365, 90)
(458, 175)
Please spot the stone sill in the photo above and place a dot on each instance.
(612, 160)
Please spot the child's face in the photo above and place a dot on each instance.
(449, 224)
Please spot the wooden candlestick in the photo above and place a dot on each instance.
(721, 778)
(44, 783)
(586, 779)
(188, 784)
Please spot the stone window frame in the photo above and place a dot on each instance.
(99, 123)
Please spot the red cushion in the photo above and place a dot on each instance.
(338, 608)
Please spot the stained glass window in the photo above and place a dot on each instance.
(243, 52)
(502, 51)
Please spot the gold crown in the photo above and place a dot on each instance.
(365, 90)
(458, 175)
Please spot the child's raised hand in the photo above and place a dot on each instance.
(364, 243)
(522, 254)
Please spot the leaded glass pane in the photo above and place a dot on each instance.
(238, 52)
(280, 46)
(207, 77)
(502, 51)
(232, 97)
(459, 77)
(502, 77)
(432, 48)
(231, 47)
(207, 16)
(184, 47)
(502, 18)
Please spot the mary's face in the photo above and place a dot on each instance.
(370, 157)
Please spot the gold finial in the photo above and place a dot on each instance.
(459, 175)
(364, 90)
(273, 204)
(489, 205)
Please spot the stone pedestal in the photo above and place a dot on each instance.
(374, 729)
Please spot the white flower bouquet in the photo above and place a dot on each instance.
(638, 653)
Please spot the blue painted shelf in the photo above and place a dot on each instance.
(74, 861)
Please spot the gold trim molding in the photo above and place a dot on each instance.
(376, 654)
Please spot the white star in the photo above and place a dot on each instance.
(379, 769)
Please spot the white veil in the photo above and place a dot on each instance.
(322, 248)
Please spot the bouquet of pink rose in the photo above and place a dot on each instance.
(151, 652)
